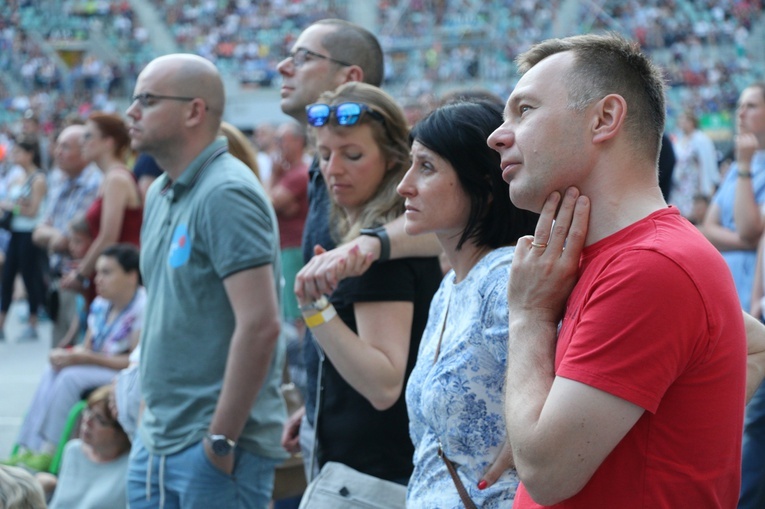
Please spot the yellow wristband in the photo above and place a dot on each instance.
(319, 318)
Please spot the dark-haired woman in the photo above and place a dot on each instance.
(455, 393)
(27, 200)
(117, 212)
(114, 325)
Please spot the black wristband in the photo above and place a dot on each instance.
(744, 174)
(381, 234)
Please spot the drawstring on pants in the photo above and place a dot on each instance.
(161, 479)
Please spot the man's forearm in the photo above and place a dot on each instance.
(403, 245)
(726, 240)
(247, 366)
(746, 212)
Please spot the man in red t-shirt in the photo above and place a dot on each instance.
(635, 399)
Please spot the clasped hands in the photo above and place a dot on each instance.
(62, 357)
(321, 275)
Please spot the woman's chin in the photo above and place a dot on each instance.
(411, 228)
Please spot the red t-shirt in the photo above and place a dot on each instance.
(291, 228)
(655, 320)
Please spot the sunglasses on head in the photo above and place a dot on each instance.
(346, 114)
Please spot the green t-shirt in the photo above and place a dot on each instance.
(213, 221)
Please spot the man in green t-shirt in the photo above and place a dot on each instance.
(211, 358)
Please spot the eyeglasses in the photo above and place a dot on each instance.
(89, 413)
(346, 114)
(299, 57)
(146, 99)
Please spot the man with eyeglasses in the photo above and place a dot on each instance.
(327, 54)
(211, 356)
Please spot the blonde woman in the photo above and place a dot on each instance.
(366, 335)
(240, 147)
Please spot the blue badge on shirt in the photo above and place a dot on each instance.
(180, 249)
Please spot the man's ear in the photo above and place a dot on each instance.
(608, 117)
(354, 73)
(196, 112)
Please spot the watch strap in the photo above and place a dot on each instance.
(321, 317)
(381, 234)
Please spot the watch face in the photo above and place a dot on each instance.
(220, 446)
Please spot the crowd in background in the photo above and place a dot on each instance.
(88, 58)
(251, 38)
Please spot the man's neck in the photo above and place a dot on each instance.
(74, 176)
(175, 162)
(610, 214)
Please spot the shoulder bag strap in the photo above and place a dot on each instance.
(449, 465)
(457, 481)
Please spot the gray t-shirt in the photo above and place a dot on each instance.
(83, 484)
(213, 221)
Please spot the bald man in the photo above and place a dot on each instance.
(66, 201)
(211, 359)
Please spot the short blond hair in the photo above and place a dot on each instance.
(20, 490)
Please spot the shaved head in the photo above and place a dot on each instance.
(190, 75)
(177, 110)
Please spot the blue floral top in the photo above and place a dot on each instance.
(459, 398)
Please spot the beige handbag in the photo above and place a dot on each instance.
(290, 475)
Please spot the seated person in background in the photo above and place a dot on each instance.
(114, 325)
(94, 466)
(78, 240)
(125, 397)
(19, 490)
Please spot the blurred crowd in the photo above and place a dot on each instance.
(51, 63)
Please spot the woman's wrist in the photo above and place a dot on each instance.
(314, 318)
(743, 170)
(314, 306)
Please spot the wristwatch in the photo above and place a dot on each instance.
(381, 234)
(220, 444)
(319, 304)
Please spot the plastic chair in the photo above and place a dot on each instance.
(69, 427)
(71, 423)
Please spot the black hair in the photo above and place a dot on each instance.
(126, 255)
(32, 145)
(458, 132)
